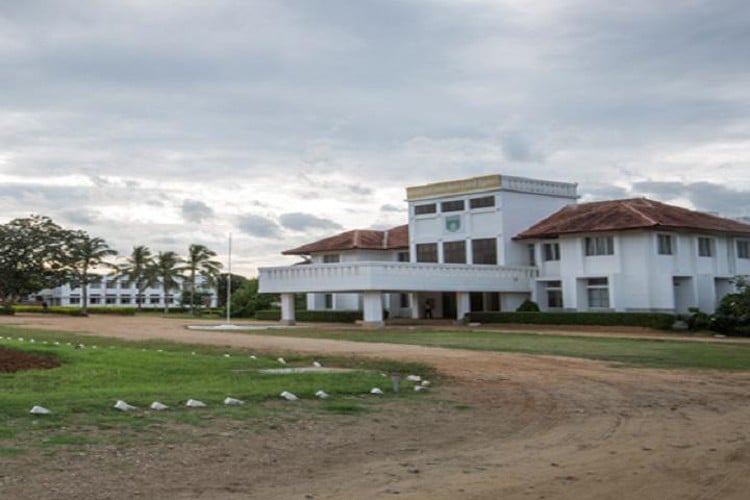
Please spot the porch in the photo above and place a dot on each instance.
(372, 279)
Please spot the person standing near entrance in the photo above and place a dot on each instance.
(428, 309)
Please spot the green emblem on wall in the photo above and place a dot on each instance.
(453, 223)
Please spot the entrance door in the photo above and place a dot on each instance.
(449, 305)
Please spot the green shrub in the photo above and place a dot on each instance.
(304, 315)
(77, 311)
(698, 320)
(7, 311)
(528, 305)
(661, 321)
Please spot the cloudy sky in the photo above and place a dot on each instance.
(167, 122)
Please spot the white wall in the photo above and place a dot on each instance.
(642, 280)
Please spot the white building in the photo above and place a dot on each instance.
(116, 291)
(488, 243)
(636, 255)
(456, 254)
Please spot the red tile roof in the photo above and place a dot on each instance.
(635, 213)
(358, 239)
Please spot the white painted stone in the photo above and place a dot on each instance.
(194, 403)
(322, 394)
(158, 406)
(233, 402)
(123, 406)
(289, 396)
(376, 390)
(39, 410)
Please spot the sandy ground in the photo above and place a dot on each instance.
(500, 426)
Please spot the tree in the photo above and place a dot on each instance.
(734, 309)
(166, 267)
(199, 263)
(31, 257)
(139, 270)
(221, 287)
(83, 254)
(246, 301)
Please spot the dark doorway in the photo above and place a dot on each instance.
(476, 302)
(449, 305)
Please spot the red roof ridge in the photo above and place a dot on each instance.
(630, 207)
(366, 239)
(630, 213)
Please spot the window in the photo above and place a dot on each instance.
(664, 243)
(532, 254)
(597, 291)
(554, 294)
(95, 299)
(484, 201)
(705, 247)
(111, 284)
(124, 299)
(743, 249)
(484, 251)
(154, 299)
(429, 208)
(599, 245)
(95, 284)
(427, 252)
(328, 298)
(403, 257)
(331, 258)
(75, 299)
(551, 251)
(452, 206)
(454, 252)
(169, 299)
(110, 300)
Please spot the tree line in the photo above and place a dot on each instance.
(36, 253)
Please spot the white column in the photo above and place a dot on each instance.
(373, 308)
(287, 308)
(463, 305)
(414, 304)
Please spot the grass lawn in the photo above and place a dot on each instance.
(82, 391)
(632, 352)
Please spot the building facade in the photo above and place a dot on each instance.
(456, 254)
(488, 243)
(112, 291)
(636, 255)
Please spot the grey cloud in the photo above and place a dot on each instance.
(597, 193)
(196, 211)
(259, 226)
(391, 208)
(81, 217)
(359, 190)
(518, 148)
(298, 221)
(706, 196)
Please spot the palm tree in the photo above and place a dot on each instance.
(139, 270)
(166, 269)
(199, 263)
(84, 254)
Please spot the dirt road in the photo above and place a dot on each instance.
(502, 426)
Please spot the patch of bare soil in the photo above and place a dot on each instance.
(498, 426)
(12, 361)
